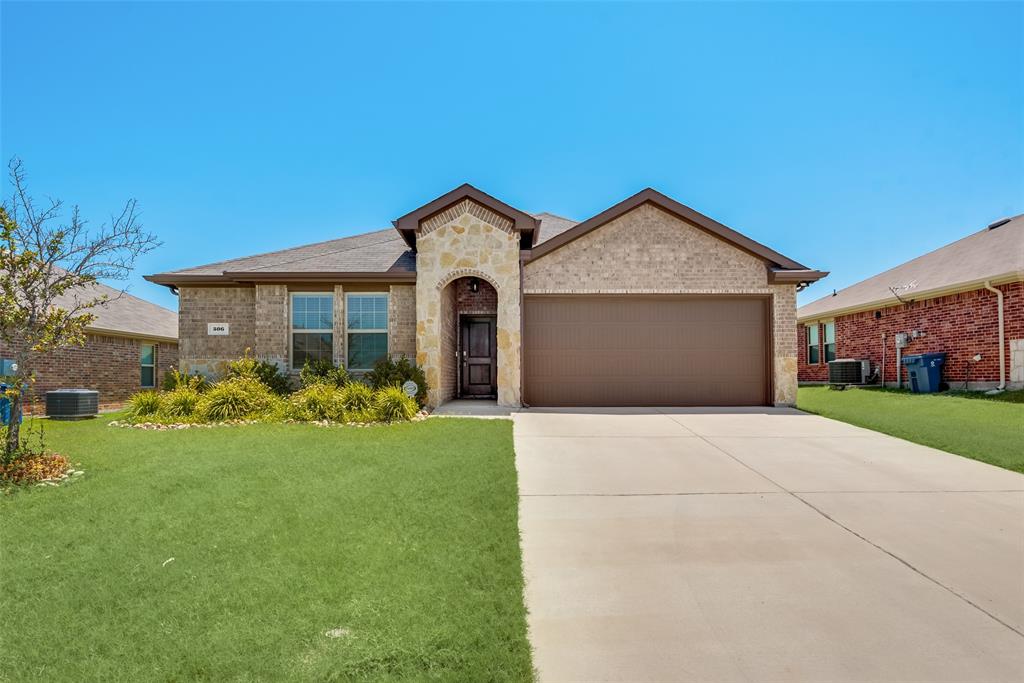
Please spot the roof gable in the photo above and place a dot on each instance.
(409, 224)
(777, 261)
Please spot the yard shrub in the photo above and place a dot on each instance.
(320, 401)
(322, 372)
(32, 468)
(395, 373)
(392, 405)
(176, 380)
(144, 404)
(180, 403)
(237, 398)
(356, 396)
(262, 371)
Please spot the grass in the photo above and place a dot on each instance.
(989, 429)
(406, 536)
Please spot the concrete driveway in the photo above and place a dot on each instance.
(763, 545)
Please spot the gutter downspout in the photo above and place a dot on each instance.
(1002, 342)
(883, 360)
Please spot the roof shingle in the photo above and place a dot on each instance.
(985, 255)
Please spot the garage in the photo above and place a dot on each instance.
(646, 350)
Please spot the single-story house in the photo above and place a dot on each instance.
(646, 303)
(965, 299)
(128, 347)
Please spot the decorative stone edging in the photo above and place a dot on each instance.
(161, 427)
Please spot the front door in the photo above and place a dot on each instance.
(479, 355)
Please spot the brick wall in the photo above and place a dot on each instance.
(482, 302)
(108, 364)
(402, 321)
(961, 325)
(271, 324)
(198, 306)
(646, 249)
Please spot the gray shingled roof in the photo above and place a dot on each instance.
(381, 251)
(551, 226)
(996, 253)
(124, 313)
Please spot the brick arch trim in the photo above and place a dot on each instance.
(454, 275)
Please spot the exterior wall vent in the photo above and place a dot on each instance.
(72, 404)
(849, 371)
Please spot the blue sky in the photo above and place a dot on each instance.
(850, 137)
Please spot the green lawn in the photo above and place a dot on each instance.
(406, 536)
(986, 429)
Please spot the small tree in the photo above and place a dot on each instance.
(48, 270)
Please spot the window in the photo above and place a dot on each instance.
(147, 359)
(813, 350)
(367, 328)
(312, 328)
(830, 341)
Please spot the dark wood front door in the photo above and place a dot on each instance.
(478, 353)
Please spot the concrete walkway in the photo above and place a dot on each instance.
(763, 545)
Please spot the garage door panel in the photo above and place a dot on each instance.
(645, 350)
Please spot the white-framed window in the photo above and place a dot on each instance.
(147, 362)
(366, 327)
(312, 330)
(830, 341)
(813, 347)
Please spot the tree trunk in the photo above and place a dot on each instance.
(14, 427)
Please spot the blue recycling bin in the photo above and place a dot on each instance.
(925, 370)
(5, 405)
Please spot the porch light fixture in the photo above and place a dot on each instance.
(474, 285)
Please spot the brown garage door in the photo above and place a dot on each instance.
(645, 350)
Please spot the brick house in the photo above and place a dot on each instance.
(130, 345)
(947, 300)
(646, 303)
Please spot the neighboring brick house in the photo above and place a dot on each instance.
(129, 347)
(943, 301)
(646, 303)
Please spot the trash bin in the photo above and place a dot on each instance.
(5, 405)
(925, 370)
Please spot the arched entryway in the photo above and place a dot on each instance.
(469, 339)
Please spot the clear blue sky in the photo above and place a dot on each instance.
(850, 137)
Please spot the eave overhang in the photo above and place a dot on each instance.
(248, 277)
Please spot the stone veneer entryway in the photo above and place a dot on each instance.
(466, 240)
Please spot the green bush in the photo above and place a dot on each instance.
(176, 380)
(180, 403)
(392, 405)
(237, 398)
(144, 404)
(262, 371)
(392, 373)
(356, 396)
(322, 372)
(319, 401)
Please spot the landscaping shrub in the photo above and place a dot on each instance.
(176, 380)
(144, 404)
(392, 405)
(322, 372)
(180, 403)
(319, 401)
(392, 373)
(33, 468)
(237, 398)
(355, 397)
(262, 371)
